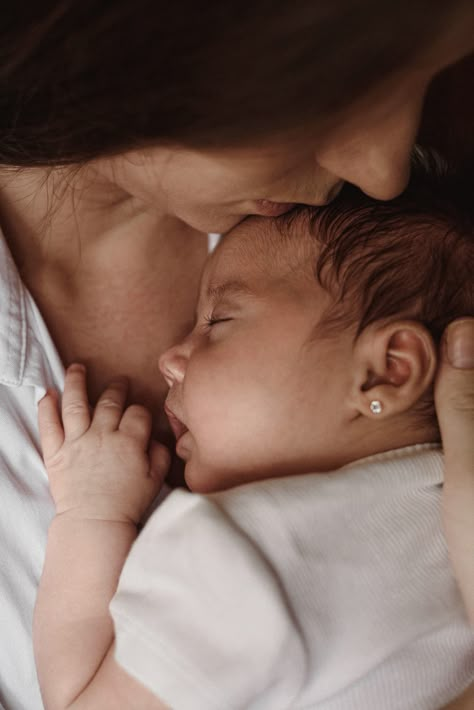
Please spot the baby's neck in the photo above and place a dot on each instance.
(367, 438)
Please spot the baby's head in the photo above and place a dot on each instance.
(305, 321)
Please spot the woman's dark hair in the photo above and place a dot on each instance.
(83, 78)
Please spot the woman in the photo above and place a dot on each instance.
(127, 133)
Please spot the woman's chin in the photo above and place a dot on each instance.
(214, 224)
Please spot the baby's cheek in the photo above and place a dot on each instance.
(199, 477)
(204, 409)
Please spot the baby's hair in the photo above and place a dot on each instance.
(412, 257)
(409, 258)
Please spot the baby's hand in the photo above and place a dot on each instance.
(100, 465)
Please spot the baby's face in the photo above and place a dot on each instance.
(253, 392)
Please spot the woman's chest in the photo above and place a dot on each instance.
(120, 320)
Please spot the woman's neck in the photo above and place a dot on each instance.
(52, 217)
(116, 281)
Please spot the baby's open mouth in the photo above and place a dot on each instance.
(176, 424)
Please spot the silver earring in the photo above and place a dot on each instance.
(376, 406)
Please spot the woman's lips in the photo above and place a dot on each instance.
(267, 208)
(176, 424)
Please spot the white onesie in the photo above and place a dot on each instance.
(328, 591)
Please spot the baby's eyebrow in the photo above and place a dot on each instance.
(215, 292)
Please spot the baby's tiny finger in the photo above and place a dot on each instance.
(109, 408)
(75, 405)
(136, 422)
(160, 459)
(50, 427)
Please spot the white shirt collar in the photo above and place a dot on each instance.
(13, 325)
(28, 356)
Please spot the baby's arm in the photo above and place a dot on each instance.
(103, 477)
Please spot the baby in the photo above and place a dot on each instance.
(307, 566)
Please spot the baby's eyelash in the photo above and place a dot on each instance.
(210, 321)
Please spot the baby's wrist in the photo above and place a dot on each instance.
(96, 505)
(75, 528)
(94, 514)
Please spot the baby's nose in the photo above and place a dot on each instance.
(173, 364)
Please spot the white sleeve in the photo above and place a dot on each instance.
(200, 618)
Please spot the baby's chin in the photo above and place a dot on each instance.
(198, 482)
(203, 479)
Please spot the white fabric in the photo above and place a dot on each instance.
(328, 591)
(29, 364)
(212, 241)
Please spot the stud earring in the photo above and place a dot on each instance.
(376, 406)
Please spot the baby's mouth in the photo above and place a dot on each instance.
(176, 424)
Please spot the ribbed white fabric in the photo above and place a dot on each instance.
(329, 591)
(29, 364)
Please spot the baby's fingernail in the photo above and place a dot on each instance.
(460, 344)
(77, 366)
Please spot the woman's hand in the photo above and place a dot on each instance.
(464, 702)
(454, 397)
(101, 465)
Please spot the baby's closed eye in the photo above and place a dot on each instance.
(215, 320)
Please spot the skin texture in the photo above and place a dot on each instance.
(454, 395)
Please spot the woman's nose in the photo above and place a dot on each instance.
(172, 364)
(377, 158)
(382, 173)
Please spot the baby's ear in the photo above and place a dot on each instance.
(394, 364)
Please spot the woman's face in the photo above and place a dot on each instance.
(368, 145)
